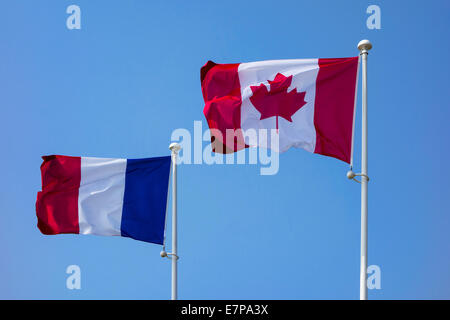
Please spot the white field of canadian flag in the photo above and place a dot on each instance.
(310, 103)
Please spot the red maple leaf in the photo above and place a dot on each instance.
(277, 102)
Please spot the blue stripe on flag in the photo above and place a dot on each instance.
(145, 199)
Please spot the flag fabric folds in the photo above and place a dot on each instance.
(103, 196)
(310, 103)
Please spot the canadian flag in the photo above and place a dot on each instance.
(310, 104)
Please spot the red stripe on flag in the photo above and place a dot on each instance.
(222, 94)
(57, 203)
(334, 107)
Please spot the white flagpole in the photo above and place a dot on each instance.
(364, 46)
(175, 148)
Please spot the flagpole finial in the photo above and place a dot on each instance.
(175, 147)
(364, 46)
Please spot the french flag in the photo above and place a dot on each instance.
(309, 102)
(103, 196)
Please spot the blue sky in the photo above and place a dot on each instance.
(119, 87)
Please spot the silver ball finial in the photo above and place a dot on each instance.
(350, 174)
(364, 46)
(163, 254)
(175, 147)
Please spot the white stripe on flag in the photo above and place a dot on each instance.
(100, 198)
(299, 133)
